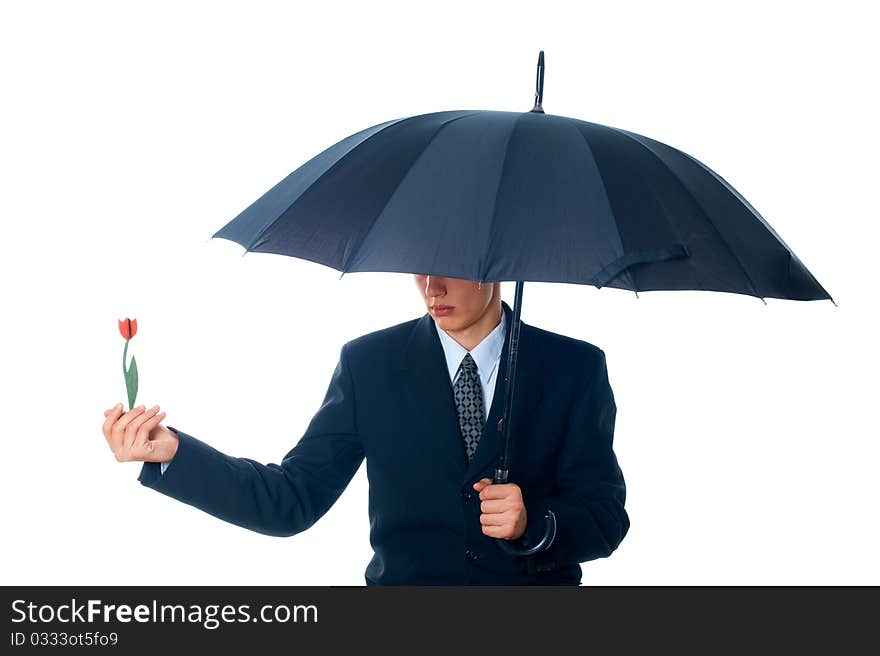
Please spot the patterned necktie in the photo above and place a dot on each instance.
(469, 403)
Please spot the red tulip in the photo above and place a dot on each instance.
(128, 328)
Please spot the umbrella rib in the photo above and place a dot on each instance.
(357, 249)
(626, 272)
(480, 270)
(755, 213)
(681, 184)
(255, 241)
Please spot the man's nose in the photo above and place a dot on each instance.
(434, 285)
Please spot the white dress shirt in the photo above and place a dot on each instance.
(487, 355)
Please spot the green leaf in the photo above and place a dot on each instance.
(131, 383)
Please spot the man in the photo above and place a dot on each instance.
(413, 399)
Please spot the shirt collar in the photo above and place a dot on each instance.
(486, 354)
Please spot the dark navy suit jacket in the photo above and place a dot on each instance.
(390, 401)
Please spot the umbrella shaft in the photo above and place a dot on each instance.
(502, 468)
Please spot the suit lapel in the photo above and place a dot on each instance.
(429, 392)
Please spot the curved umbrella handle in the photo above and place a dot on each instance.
(549, 533)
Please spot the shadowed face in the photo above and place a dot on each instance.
(469, 301)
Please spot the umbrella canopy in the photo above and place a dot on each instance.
(494, 196)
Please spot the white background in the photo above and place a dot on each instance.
(747, 433)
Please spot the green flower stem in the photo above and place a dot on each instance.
(124, 371)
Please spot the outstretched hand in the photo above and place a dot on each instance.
(503, 511)
(137, 435)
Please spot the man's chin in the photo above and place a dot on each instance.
(444, 322)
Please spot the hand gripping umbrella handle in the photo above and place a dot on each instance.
(524, 549)
(549, 533)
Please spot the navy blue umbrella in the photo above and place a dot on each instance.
(515, 196)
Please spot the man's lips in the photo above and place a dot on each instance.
(442, 307)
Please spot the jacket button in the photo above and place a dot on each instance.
(466, 495)
(471, 555)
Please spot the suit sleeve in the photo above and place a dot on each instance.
(589, 507)
(274, 499)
